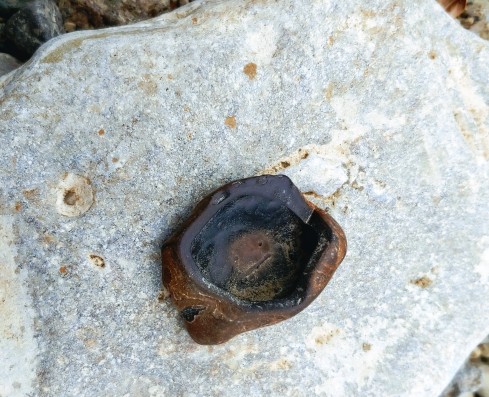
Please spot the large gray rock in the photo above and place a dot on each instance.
(377, 110)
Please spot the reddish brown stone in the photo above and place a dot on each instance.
(453, 7)
(253, 253)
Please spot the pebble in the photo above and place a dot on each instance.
(8, 63)
(33, 25)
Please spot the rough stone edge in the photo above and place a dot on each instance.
(66, 42)
(19, 351)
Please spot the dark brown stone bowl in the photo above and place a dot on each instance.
(252, 253)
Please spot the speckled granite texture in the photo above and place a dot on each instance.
(377, 111)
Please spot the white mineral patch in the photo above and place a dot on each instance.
(321, 175)
(262, 43)
(18, 348)
(483, 266)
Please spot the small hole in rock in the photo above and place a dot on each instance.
(70, 197)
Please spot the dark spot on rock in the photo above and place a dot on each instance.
(70, 197)
(97, 260)
(101, 132)
(304, 154)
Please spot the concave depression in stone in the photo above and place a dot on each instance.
(253, 253)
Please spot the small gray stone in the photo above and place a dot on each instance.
(8, 63)
(33, 25)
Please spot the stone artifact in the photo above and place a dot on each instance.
(253, 253)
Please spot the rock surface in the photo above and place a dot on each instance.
(376, 110)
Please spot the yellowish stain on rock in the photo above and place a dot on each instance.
(230, 122)
(328, 91)
(422, 282)
(250, 70)
(285, 162)
(366, 347)
(57, 54)
(281, 364)
(325, 338)
(148, 85)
